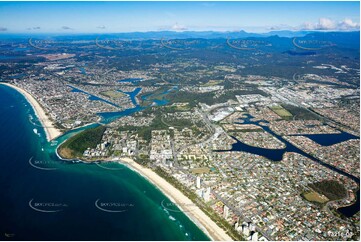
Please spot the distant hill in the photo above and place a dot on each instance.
(295, 43)
(341, 36)
(341, 39)
(288, 33)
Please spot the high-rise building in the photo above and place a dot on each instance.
(245, 229)
(252, 227)
(255, 236)
(207, 194)
(198, 183)
(225, 212)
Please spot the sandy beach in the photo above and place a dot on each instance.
(177, 197)
(195, 214)
(50, 130)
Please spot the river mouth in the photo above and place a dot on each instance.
(49, 199)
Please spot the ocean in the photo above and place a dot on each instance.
(44, 198)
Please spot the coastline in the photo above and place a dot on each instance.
(196, 215)
(50, 130)
(203, 222)
(208, 226)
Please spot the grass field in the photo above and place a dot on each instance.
(200, 170)
(302, 113)
(282, 112)
(112, 94)
(315, 197)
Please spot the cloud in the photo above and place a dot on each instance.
(101, 27)
(66, 27)
(323, 24)
(178, 27)
(329, 24)
(306, 26)
(3, 29)
(326, 24)
(348, 24)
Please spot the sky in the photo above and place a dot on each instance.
(115, 17)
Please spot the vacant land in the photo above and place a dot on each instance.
(200, 170)
(282, 112)
(302, 113)
(315, 197)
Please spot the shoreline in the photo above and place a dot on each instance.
(201, 220)
(206, 224)
(196, 215)
(50, 131)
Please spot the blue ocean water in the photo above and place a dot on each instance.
(74, 201)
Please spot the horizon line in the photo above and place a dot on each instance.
(180, 32)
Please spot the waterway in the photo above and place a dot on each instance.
(59, 200)
(277, 154)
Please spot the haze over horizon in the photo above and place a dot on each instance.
(122, 17)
